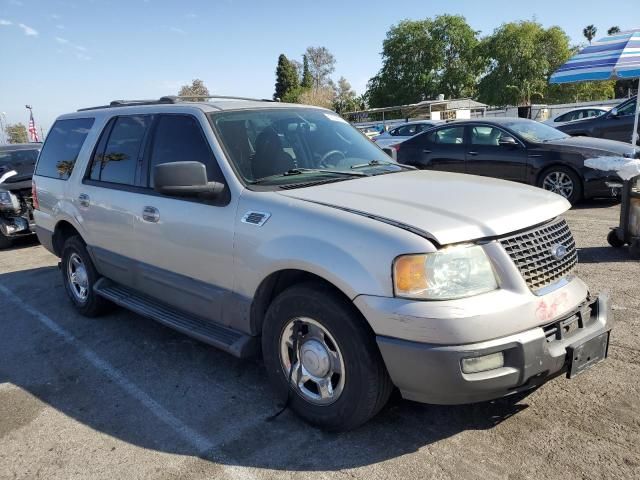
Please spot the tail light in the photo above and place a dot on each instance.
(34, 196)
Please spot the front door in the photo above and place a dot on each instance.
(185, 245)
(620, 127)
(486, 155)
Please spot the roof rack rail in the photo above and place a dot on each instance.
(171, 99)
(178, 98)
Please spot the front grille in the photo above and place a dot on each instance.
(533, 253)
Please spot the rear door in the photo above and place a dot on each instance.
(108, 197)
(487, 157)
(442, 149)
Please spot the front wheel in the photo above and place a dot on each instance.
(563, 181)
(5, 242)
(318, 350)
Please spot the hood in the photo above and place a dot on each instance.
(445, 207)
(596, 144)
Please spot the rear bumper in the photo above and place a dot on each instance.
(433, 374)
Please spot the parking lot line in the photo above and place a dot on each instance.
(195, 439)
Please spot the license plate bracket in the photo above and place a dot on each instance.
(588, 353)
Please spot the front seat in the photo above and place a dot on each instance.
(269, 157)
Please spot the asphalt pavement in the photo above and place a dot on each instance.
(124, 397)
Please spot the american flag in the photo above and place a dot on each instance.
(33, 133)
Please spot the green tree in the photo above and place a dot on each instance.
(307, 79)
(286, 77)
(521, 58)
(197, 90)
(613, 30)
(346, 98)
(423, 58)
(321, 64)
(16, 133)
(589, 32)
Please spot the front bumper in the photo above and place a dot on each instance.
(432, 373)
(16, 227)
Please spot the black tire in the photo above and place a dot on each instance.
(93, 305)
(614, 240)
(367, 385)
(4, 241)
(576, 192)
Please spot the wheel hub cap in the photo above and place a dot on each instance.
(315, 358)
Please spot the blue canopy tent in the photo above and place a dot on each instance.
(615, 57)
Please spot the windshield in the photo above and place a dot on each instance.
(289, 145)
(535, 131)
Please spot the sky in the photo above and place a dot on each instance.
(61, 55)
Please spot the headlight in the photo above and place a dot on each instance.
(8, 202)
(455, 272)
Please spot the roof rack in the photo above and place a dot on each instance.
(171, 99)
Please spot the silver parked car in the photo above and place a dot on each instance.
(400, 133)
(258, 226)
(575, 115)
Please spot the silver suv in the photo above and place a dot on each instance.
(259, 226)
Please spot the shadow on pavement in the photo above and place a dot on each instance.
(23, 242)
(224, 399)
(605, 254)
(596, 203)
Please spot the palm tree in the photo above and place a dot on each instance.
(589, 32)
(613, 30)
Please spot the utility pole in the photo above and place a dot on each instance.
(3, 123)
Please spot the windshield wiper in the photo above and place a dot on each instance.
(299, 171)
(378, 163)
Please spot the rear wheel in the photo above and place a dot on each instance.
(79, 277)
(563, 181)
(338, 380)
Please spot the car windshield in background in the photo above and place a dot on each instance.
(8, 158)
(289, 145)
(535, 131)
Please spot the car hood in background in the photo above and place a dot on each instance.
(584, 144)
(446, 207)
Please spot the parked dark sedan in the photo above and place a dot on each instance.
(519, 150)
(617, 124)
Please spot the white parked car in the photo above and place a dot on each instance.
(576, 114)
(401, 133)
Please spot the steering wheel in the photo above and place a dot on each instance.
(330, 153)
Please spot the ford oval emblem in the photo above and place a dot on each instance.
(559, 251)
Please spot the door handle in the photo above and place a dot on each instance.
(84, 200)
(426, 150)
(473, 154)
(150, 214)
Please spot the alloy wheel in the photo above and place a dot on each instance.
(319, 373)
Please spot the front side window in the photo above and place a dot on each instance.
(628, 109)
(179, 138)
(61, 149)
(310, 142)
(118, 162)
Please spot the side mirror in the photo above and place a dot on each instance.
(613, 112)
(507, 141)
(187, 179)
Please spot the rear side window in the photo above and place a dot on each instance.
(179, 138)
(118, 162)
(61, 149)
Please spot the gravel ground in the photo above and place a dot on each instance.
(124, 397)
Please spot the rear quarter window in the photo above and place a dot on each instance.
(61, 149)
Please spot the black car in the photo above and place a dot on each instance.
(617, 124)
(17, 163)
(519, 150)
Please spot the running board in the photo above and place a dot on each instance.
(231, 341)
